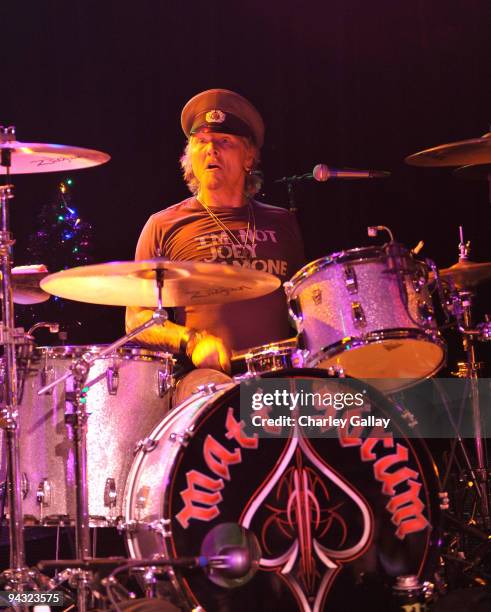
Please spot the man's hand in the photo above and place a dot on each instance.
(207, 351)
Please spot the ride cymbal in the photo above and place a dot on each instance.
(463, 153)
(133, 283)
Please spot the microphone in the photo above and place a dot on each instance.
(229, 556)
(323, 173)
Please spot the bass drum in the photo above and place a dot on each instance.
(337, 519)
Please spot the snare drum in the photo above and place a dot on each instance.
(129, 397)
(281, 355)
(337, 519)
(369, 313)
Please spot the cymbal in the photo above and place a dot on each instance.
(467, 274)
(474, 172)
(463, 153)
(34, 157)
(132, 283)
(25, 284)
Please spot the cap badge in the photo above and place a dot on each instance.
(215, 116)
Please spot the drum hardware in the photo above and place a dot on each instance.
(444, 500)
(182, 438)
(373, 231)
(110, 495)
(358, 315)
(229, 556)
(18, 578)
(43, 494)
(165, 382)
(409, 593)
(146, 445)
(76, 417)
(18, 158)
(112, 379)
(471, 372)
(206, 388)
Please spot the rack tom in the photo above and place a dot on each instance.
(368, 311)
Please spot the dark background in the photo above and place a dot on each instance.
(343, 82)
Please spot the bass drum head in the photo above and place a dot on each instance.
(336, 519)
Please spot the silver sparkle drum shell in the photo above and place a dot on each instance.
(130, 396)
(355, 311)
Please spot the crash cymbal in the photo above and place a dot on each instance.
(132, 283)
(465, 152)
(473, 172)
(25, 284)
(34, 157)
(467, 274)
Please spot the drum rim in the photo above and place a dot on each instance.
(354, 256)
(67, 351)
(379, 336)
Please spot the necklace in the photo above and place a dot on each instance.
(251, 218)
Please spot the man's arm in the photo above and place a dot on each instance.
(204, 350)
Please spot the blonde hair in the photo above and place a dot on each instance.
(253, 179)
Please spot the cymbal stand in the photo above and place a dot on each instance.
(76, 418)
(17, 576)
(470, 370)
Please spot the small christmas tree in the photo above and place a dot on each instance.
(62, 241)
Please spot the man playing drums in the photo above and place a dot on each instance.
(221, 223)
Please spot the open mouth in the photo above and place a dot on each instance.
(213, 167)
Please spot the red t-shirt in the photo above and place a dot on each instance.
(186, 232)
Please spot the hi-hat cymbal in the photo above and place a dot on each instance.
(132, 283)
(463, 153)
(34, 157)
(474, 172)
(466, 274)
(25, 284)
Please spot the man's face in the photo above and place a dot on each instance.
(220, 160)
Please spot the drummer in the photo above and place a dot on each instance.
(221, 223)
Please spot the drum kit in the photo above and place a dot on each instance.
(102, 436)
